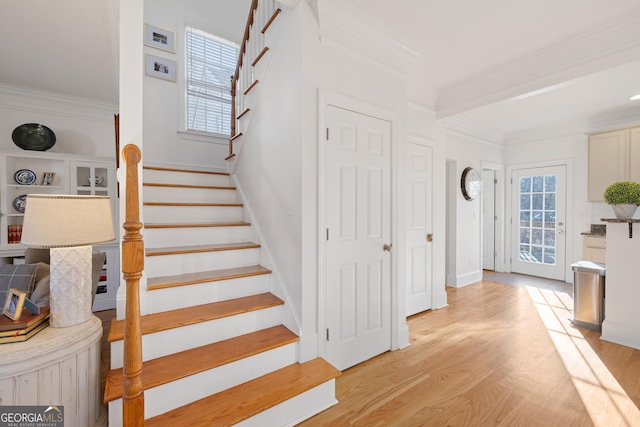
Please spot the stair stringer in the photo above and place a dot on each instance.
(289, 317)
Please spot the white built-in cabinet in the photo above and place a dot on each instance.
(74, 174)
(613, 156)
(594, 248)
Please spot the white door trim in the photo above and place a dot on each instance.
(399, 329)
(569, 246)
(500, 212)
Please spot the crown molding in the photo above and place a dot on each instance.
(345, 27)
(27, 99)
(462, 127)
(612, 120)
(420, 107)
(603, 47)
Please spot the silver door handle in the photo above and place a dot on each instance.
(387, 247)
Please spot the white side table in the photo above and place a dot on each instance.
(57, 366)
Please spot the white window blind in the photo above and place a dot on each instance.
(211, 61)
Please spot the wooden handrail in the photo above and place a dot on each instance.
(132, 266)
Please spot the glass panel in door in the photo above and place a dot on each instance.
(539, 230)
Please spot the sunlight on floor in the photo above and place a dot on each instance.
(603, 397)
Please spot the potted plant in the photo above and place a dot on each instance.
(624, 198)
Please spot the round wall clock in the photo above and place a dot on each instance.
(470, 183)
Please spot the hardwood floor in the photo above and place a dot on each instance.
(498, 355)
(503, 353)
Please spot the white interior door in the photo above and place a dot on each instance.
(420, 228)
(488, 219)
(538, 218)
(358, 212)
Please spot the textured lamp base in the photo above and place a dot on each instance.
(70, 286)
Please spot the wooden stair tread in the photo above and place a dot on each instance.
(246, 400)
(205, 187)
(246, 111)
(155, 168)
(270, 21)
(175, 366)
(176, 250)
(162, 282)
(236, 136)
(165, 320)
(199, 224)
(188, 204)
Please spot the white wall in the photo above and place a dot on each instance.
(163, 99)
(466, 248)
(81, 126)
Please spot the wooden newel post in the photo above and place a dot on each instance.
(132, 266)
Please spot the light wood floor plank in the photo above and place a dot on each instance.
(498, 355)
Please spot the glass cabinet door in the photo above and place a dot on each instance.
(91, 179)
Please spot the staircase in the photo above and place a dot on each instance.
(215, 351)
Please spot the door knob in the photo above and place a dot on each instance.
(387, 247)
(429, 237)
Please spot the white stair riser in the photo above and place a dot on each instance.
(191, 214)
(166, 397)
(188, 178)
(183, 296)
(188, 195)
(168, 265)
(186, 236)
(176, 340)
(296, 409)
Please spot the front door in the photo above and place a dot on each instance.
(419, 233)
(358, 259)
(538, 218)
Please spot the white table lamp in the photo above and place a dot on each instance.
(68, 225)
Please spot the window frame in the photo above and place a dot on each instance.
(184, 132)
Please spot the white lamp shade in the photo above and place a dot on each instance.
(52, 220)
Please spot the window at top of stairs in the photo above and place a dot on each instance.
(210, 63)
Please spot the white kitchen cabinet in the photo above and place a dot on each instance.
(613, 156)
(594, 248)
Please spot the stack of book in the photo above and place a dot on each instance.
(23, 329)
(14, 233)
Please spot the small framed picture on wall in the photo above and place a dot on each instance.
(159, 38)
(160, 67)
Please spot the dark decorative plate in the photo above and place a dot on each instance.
(24, 177)
(20, 202)
(32, 136)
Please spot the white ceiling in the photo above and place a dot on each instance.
(484, 65)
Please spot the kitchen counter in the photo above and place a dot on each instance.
(597, 230)
(629, 221)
